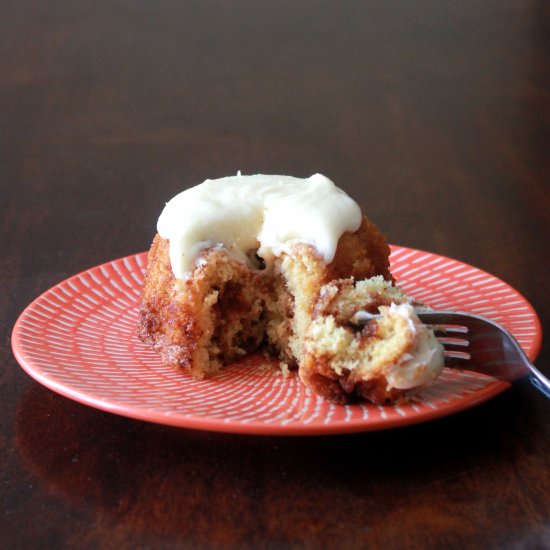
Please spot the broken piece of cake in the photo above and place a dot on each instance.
(366, 341)
(292, 266)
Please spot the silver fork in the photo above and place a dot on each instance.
(476, 343)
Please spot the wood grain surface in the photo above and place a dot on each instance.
(433, 115)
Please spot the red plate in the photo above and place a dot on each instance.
(79, 339)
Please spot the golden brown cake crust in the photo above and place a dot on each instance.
(360, 255)
(166, 324)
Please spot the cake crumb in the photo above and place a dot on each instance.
(285, 371)
(277, 368)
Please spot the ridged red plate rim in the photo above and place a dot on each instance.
(79, 340)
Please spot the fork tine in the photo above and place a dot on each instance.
(448, 329)
(438, 321)
(447, 341)
(431, 317)
(457, 355)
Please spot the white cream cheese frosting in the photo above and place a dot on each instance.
(425, 359)
(262, 213)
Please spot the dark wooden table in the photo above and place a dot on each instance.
(433, 115)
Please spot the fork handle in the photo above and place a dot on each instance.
(540, 382)
(537, 378)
